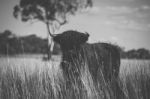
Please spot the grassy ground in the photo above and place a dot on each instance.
(29, 78)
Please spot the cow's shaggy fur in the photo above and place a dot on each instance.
(97, 56)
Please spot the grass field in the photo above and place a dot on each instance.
(32, 78)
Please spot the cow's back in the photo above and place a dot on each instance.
(102, 56)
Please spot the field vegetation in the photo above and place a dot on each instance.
(32, 78)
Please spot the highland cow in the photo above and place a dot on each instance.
(98, 56)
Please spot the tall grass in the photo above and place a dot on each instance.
(135, 76)
(45, 81)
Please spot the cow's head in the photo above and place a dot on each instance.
(69, 40)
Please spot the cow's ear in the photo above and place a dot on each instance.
(87, 34)
(84, 38)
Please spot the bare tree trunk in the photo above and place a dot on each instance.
(49, 51)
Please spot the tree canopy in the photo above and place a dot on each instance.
(49, 11)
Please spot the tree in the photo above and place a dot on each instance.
(50, 12)
(143, 53)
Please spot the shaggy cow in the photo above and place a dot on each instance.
(76, 52)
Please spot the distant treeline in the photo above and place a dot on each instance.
(11, 44)
(141, 53)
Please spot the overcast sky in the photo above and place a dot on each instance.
(125, 22)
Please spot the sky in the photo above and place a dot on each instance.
(122, 22)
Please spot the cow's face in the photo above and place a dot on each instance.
(70, 39)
